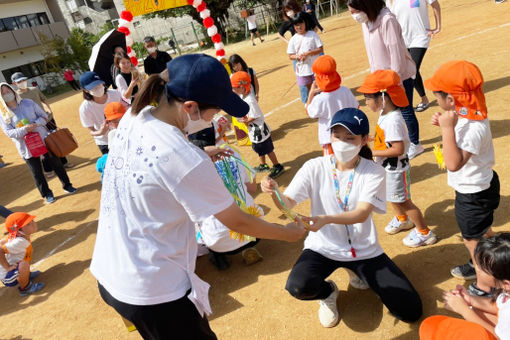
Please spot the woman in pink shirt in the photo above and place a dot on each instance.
(386, 50)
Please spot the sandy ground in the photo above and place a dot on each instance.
(250, 302)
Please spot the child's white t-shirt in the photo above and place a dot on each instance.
(303, 43)
(258, 130)
(503, 326)
(314, 181)
(473, 136)
(15, 251)
(252, 21)
(325, 105)
(392, 128)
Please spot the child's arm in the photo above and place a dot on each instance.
(312, 52)
(257, 86)
(247, 120)
(314, 90)
(3, 261)
(396, 150)
(480, 303)
(454, 157)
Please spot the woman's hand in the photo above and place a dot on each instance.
(268, 185)
(216, 153)
(315, 223)
(30, 127)
(295, 231)
(455, 303)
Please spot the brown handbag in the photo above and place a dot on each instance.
(61, 142)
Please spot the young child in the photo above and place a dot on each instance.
(384, 94)
(258, 131)
(326, 97)
(468, 156)
(16, 254)
(238, 64)
(252, 27)
(484, 319)
(304, 47)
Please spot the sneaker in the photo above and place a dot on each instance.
(49, 174)
(395, 225)
(464, 271)
(415, 150)
(499, 1)
(219, 260)
(421, 107)
(69, 165)
(70, 189)
(356, 282)
(262, 168)
(328, 310)
(416, 239)
(34, 274)
(251, 256)
(50, 199)
(473, 290)
(276, 171)
(31, 288)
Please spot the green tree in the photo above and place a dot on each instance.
(80, 43)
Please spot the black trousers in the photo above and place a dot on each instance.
(307, 282)
(103, 148)
(238, 250)
(417, 53)
(36, 169)
(51, 125)
(74, 84)
(179, 319)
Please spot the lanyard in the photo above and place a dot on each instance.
(344, 205)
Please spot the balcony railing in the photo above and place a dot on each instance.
(27, 37)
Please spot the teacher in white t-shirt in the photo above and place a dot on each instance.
(156, 185)
(344, 190)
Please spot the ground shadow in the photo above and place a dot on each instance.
(19, 337)
(296, 124)
(48, 223)
(495, 84)
(368, 309)
(424, 171)
(291, 167)
(264, 73)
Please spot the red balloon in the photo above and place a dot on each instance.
(128, 49)
(216, 38)
(126, 15)
(134, 61)
(220, 53)
(190, 2)
(201, 7)
(124, 30)
(208, 22)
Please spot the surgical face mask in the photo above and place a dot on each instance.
(193, 126)
(344, 152)
(23, 84)
(360, 17)
(290, 14)
(151, 49)
(9, 97)
(97, 91)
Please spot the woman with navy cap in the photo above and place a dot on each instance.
(156, 185)
(344, 190)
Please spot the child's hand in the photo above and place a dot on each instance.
(462, 291)
(295, 231)
(435, 118)
(315, 88)
(455, 303)
(268, 185)
(315, 223)
(448, 119)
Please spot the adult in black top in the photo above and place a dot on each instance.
(156, 60)
(309, 8)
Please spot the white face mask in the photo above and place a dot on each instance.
(290, 14)
(152, 49)
(22, 85)
(360, 17)
(9, 97)
(193, 126)
(97, 91)
(344, 151)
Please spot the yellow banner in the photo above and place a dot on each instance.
(141, 7)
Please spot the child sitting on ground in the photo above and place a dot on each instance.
(384, 94)
(326, 97)
(258, 131)
(16, 254)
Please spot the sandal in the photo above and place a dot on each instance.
(422, 107)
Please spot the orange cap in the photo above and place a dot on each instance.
(241, 79)
(326, 76)
(114, 110)
(16, 221)
(385, 81)
(463, 80)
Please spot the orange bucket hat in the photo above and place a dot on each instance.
(385, 81)
(241, 79)
(114, 110)
(326, 76)
(463, 80)
(15, 221)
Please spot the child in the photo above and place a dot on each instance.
(468, 155)
(258, 130)
(238, 64)
(484, 319)
(252, 27)
(326, 97)
(384, 94)
(304, 47)
(344, 190)
(16, 253)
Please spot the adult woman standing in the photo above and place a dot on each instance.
(386, 50)
(128, 78)
(290, 9)
(156, 185)
(413, 17)
(20, 117)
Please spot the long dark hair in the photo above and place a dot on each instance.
(371, 7)
(118, 57)
(492, 255)
(365, 151)
(300, 18)
(292, 5)
(236, 59)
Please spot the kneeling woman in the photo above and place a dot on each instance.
(344, 189)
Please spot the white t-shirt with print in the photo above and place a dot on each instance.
(252, 21)
(15, 251)
(314, 181)
(325, 105)
(92, 114)
(473, 136)
(258, 130)
(299, 44)
(156, 185)
(394, 129)
(502, 329)
(413, 17)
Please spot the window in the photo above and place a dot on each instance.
(30, 70)
(33, 20)
(22, 21)
(10, 24)
(2, 26)
(43, 18)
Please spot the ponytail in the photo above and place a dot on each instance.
(366, 152)
(151, 92)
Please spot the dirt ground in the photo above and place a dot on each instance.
(250, 302)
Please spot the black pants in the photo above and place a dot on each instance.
(74, 84)
(179, 319)
(103, 148)
(238, 250)
(36, 169)
(314, 17)
(51, 125)
(307, 282)
(417, 53)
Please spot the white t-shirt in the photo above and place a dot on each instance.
(391, 127)
(252, 21)
(258, 130)
(503, 326)
(413, 17)
(92, 114)
(156, 184)
(473, 136)
(15, 251)
(325, 105)
(314, 181)
(303, 43)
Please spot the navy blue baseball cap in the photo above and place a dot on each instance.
(353, 120)
(203, 79)
(89, 80)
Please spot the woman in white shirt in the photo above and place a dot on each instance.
(156, 186)
(344, 190)
(128, 78)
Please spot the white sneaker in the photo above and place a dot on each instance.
(416, 239)
(328, 310)
(415, 150)
(356, 282)
(395, 225)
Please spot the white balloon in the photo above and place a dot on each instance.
(197, 3)
(123, 23)
(205, 13)
(212, 30)
(132, 53)
(219, 46)
(129, 40)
